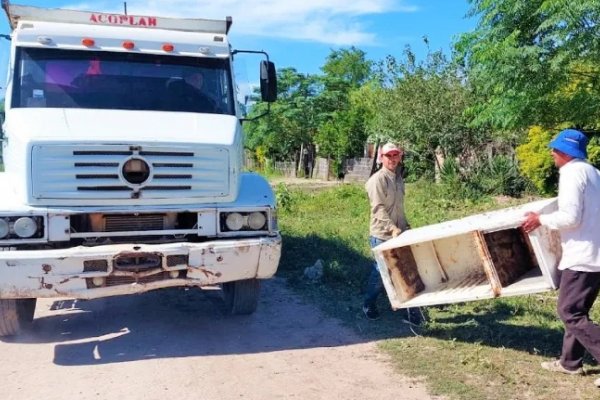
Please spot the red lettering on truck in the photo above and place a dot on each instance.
(114, 19)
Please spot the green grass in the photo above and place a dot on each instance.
(479, 350)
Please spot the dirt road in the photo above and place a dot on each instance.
(176, 344)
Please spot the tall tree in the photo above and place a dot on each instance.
(534, 62)
(342, 130)
(292, 120)
(422, 104)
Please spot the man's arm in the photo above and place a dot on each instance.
(570, 206)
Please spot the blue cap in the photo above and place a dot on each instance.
(571, 142)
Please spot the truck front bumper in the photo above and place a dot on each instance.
(110, 270)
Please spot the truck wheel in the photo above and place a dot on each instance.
(15, 315)
(241, 297)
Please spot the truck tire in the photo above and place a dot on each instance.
(241, 297)
(16, 315)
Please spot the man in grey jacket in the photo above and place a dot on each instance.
(577, 220)
(385, 189)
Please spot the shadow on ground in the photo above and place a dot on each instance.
(499, 328)
(189, 322)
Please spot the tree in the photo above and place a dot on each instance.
(292, 120)
(342, 115)
(422, 104)
(534, 62)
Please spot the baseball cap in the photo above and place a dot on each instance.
(390, 148)
(571, 142)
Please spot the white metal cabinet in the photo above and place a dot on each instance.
(478, 257)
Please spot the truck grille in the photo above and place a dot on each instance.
(142, 222)
(96, 172)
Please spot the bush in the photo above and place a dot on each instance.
(418, 165)
(450, 171)
(594, 151)
(535, 161)
(498, 176)
(284, 197)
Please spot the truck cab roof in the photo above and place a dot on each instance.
(86, 30)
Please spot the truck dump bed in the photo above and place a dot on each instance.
(478, 257)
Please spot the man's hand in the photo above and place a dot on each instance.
(396, 231)
(532, 222)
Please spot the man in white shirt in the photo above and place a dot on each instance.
(578, 220)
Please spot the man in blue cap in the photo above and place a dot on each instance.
(578, 220)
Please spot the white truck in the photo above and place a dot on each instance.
(122, 148)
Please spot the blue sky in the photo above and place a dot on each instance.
(300, 34)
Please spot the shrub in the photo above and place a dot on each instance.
(284, 197)
(498, 176)
(594, 151)
(535, 161)
(418, 165)
(260, 155)
(450, 171)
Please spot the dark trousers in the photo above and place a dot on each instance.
(576, 295)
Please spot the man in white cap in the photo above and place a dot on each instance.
(386, 198)
(577, 220)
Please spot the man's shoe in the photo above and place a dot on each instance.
(371, 312)
(597, 382)
(556, 366)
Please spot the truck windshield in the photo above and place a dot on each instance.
(52, 78)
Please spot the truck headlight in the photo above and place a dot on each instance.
(21, 227)
(4, 228)
(234, 221)
(25, 227)
(256, 220)
(244, 221)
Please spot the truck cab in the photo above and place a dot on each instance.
(122, 148)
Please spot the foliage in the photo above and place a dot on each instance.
(498, 175)
(422, 104)
(342, 132)
(535, 161)
(346, 68)
(327, 111)
(534, 62)
(487, 176)
(593, 149)
(450, 171)
(284, 197)
(292, 119)
(418, 166)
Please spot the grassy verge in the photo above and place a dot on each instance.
(478, 350)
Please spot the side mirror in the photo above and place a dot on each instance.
(268, 81)
(2, 124)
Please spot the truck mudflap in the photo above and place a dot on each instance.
(110, 270)
(478, 257)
